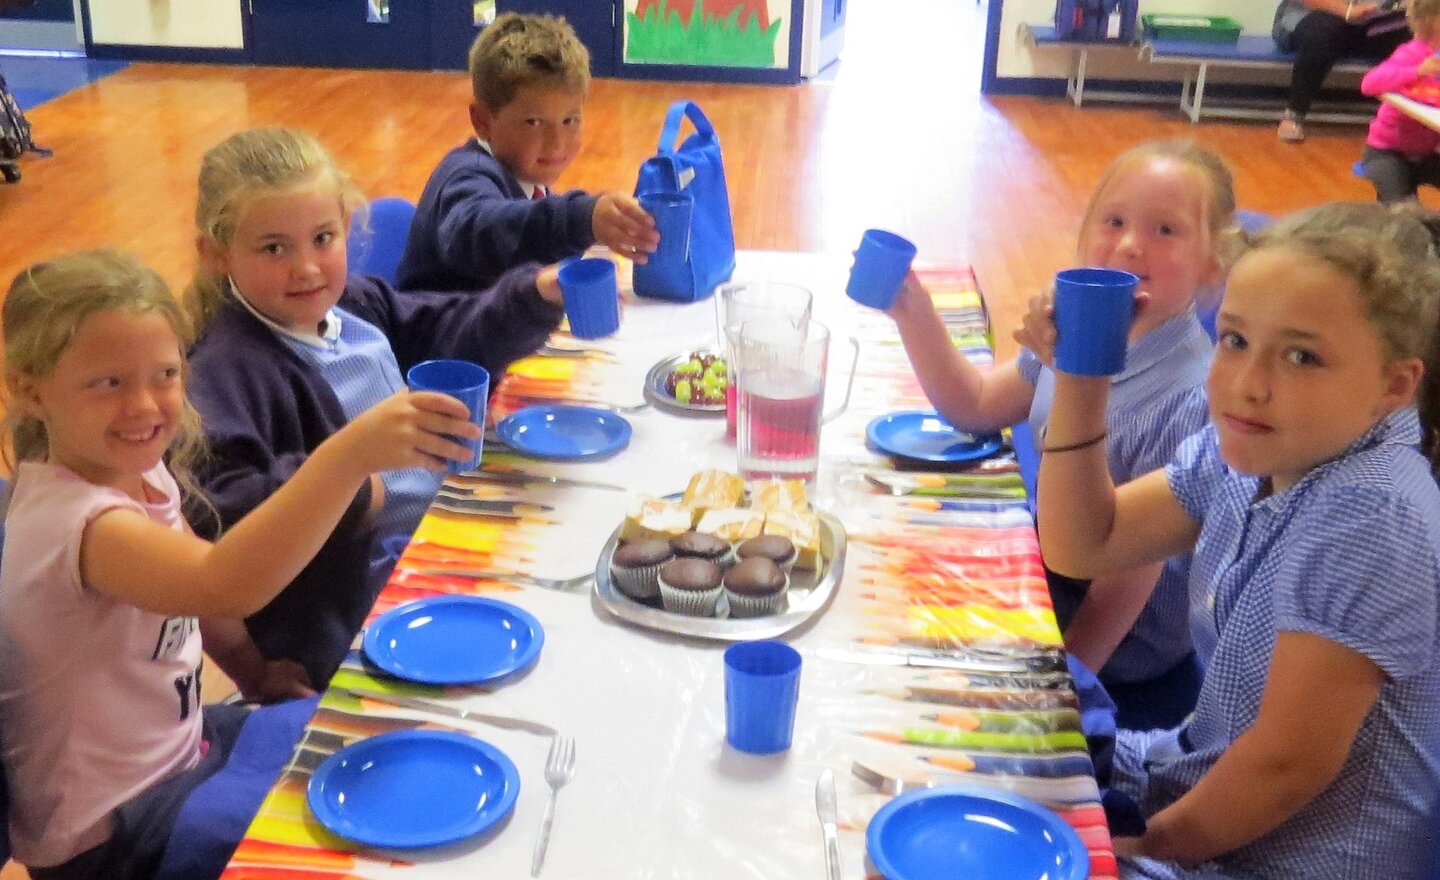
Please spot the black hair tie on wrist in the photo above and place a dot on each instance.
(1083, 444)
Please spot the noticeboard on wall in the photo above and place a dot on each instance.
(751, 34)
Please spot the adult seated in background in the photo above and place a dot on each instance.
(1320, 33)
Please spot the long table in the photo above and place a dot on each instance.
(656, 792)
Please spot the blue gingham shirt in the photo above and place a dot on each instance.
(1157, 402)
(357, 361)
(1348, 553)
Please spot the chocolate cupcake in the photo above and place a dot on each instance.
(698, 545)
(635, 566)
(755, 587)
(776, 548)
(690, 586)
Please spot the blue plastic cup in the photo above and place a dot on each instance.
(592, 299)
(762, 686)
(1093, 311)
(467, 382)
(881, 263)
(671, 212)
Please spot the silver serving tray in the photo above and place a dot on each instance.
(655, 386)
(809, 593)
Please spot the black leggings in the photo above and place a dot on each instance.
(1396, 176)
(1321, 39)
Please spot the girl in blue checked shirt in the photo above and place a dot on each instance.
(1166, 212)
(1311, 509)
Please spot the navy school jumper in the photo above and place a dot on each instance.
(265, 409)
(474, 221)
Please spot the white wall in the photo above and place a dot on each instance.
(1018, 60)
(209, 24)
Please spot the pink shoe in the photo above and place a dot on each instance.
(1292, 128)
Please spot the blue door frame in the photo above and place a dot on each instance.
(992, 46)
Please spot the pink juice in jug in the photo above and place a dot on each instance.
(779, 414)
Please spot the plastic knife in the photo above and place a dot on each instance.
(829, 815)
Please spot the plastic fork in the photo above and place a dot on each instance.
(559, 769)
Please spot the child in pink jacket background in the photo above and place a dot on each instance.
(1400, 152)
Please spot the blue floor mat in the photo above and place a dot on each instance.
(35, 80)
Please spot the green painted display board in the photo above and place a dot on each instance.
(708, 33)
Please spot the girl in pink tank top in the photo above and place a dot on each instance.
(103, 583)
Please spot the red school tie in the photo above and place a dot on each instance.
(537, 194)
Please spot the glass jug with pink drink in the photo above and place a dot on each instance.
(744, 301)
(779, 371)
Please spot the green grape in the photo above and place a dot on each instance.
(683, 392)
(718, 368)
(689, 368)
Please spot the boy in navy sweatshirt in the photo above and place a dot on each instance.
(488, 206)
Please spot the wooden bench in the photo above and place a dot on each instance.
(1252, 53)
(1043, 35)
(1196, 59)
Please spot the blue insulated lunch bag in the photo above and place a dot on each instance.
(694, 169)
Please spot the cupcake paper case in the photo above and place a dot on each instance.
(755, 587)
(635, 567)
(690, 586)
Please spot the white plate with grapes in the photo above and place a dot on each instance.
(689, 383)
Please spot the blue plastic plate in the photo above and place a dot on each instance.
(454, 640)
(924, 436)
(978, 834)
(564, 433)
(413, 788)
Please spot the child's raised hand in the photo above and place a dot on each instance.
(548, 283)
(1037, 330)
(911, 299)
(408, 429)
(622, 225)
(1430, 66)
